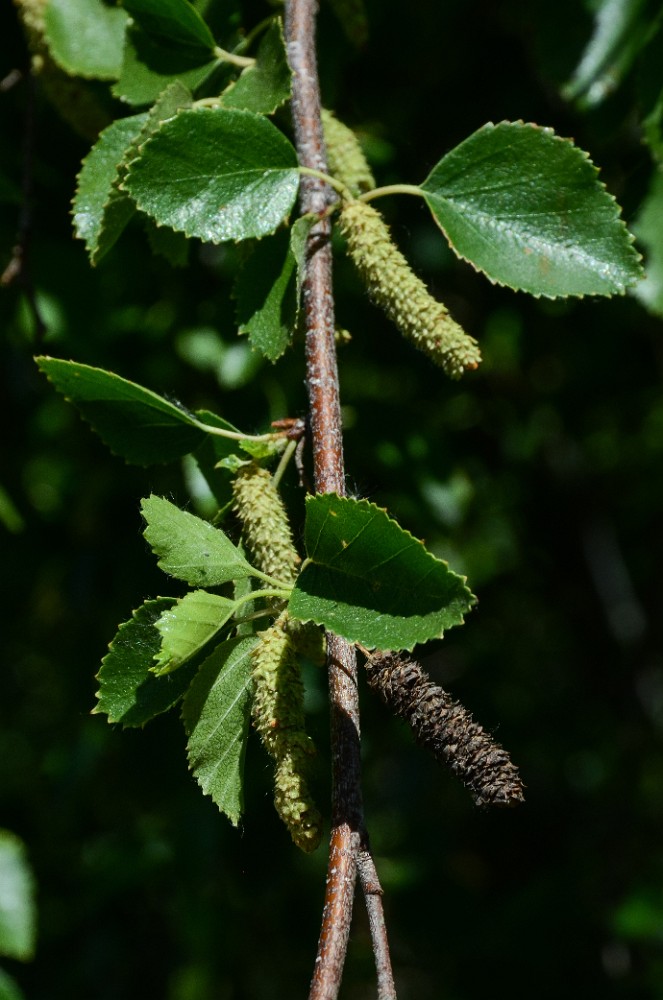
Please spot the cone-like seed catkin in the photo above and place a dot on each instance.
(278, 716)
(395, 287)
(446, 730)
(345, 157)
(267, 531)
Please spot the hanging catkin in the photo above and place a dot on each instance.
(266, 528)
(345, 157)
(446, 729)
(278, 716)
(394, 286)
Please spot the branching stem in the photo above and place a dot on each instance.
(348, 834)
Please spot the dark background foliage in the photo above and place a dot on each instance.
(539, 477)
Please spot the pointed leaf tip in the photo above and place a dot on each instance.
(526, 207)
(371, 581)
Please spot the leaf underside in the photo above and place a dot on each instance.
(188, 628)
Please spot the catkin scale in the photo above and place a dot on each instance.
(446, 729)
(345, 157)
(278, 716)
(394, 286)
(266, 528)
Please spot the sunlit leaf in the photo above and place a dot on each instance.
(216, 174)
(188, 627)
(372, 582)
(86, 37)
(100, 212)
(189, 548)
(526, 207)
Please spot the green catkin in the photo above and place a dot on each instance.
(267, 533)
(345, 157)
(278, 716)
(403, 296)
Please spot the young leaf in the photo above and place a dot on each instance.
(86, 37)
(149, 65)
(526, 207)
(189, 548)
(18, 917)
(372, 582)
(216, 174)
(216, 714)
(173, 20)
(135, 423)
(265, 293)
(188, 627)
(265, 86)
(129, 692)
(100, 212)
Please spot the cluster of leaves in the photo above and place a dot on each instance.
(205, 162)
(364, 578)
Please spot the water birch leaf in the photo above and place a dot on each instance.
(175, 21)
(372, 582)
(150, 64)
(265, 86)
(648, 227)
(188, 627)
(129, 692)
(265, 292)
(216, 714)
(526, 207)
(135, 423)
(18, 910)
(86, 37)
(216, 174)
(99, 218)
(189, 548)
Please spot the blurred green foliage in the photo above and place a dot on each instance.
(539, 477)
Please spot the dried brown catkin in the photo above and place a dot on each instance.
(446, 729)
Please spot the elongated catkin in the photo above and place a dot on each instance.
(394, 286)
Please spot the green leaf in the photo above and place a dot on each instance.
(18, 912)
(621, 29)
(648, 227)
(129, 691)
(149, 65)
(175, 21)
(187, 628)
(265, 292)
(9, 988)
(526, 207)
(372, 582)
(101, 212)
(216, 714)
(216, 174)
(86, 37)
(135, 423)
(265, 86)
(189, 548)
(299, 233)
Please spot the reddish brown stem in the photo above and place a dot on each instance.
(348, 832)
